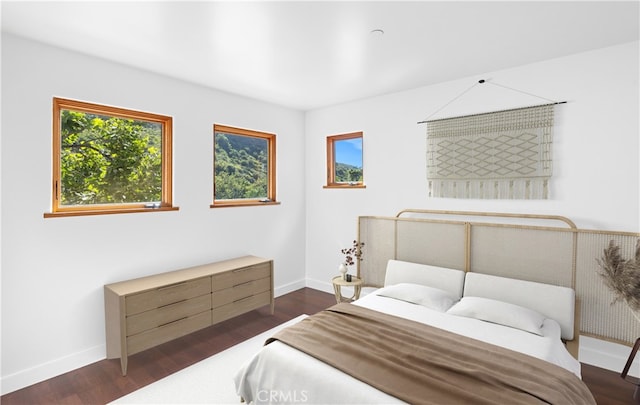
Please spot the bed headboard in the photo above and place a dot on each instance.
(448, 280)
(540, 248)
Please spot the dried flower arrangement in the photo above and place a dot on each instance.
(353, 252)
(622, 276)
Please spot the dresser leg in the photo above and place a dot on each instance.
(123, 365)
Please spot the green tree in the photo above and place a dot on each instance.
(107, 160)
(240, 167)
(347, 173)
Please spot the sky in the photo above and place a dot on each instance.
(349, 151)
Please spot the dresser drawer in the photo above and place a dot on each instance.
(241, 306)
(166, 295)
(165, 333)
(160, 316)
(239, 291)
(241, 275)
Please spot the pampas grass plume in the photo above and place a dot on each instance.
(622, 276)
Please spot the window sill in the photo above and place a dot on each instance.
(106, 212)
(242, 204)
(359, 185)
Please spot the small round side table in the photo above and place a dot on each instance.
(339, 282)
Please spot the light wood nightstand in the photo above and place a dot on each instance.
(339, 282)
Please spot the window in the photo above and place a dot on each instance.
(109, 160)
(344, 161)
(244, 167)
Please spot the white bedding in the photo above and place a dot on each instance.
(279, 373)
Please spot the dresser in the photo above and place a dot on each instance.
(144, 312)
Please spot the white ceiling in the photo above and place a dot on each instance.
(307, 55)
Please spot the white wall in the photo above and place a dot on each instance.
(596, 149)
(53, 269)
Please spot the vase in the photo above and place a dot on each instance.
(343, 270)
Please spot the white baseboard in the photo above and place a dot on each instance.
(290, 287)
(319, 285)
(53, 368)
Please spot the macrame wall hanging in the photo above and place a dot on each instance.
(497, 155)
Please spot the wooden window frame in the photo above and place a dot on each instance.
(271, 169)
(166, 204)
(331, 170)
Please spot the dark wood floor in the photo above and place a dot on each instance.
(102, 382)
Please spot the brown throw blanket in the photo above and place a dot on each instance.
(421, 364)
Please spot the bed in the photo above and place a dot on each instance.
(430, 334)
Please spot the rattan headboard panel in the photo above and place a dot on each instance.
(540, 255)
(435, 243)
(601, 317)
(378, 235)
(546, 249)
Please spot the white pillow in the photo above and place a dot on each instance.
(499, 312)
(426, 296)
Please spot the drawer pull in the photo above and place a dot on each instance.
(166, 287)
(168, 323)
(243, 299)
(241, 270)
(247, 283)
(172, 303)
